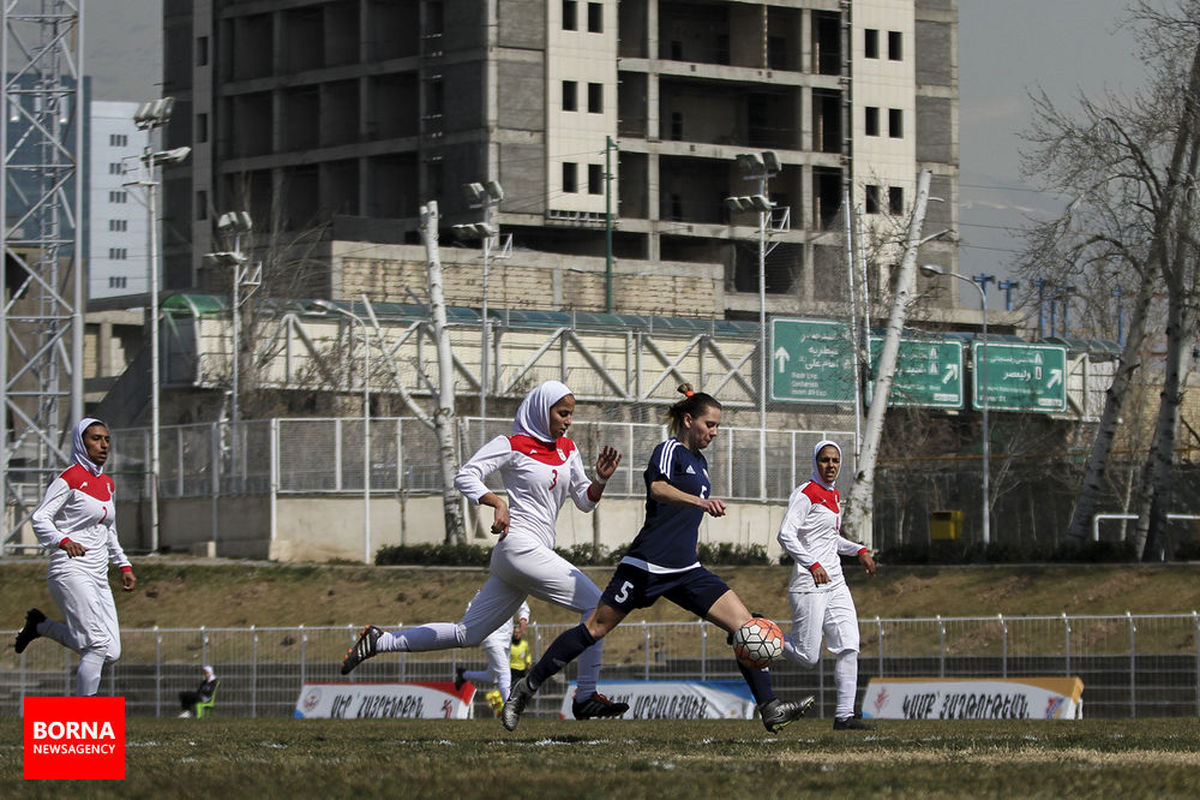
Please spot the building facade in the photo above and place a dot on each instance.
(118, 226)
(352, 114)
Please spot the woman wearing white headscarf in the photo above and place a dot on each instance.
(820, 599)
(77, 522)
(540, 468)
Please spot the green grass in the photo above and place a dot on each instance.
(636, 759)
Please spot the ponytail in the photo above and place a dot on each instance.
(693, 403)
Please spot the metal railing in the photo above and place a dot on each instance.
(324, 455)
(1131, 665)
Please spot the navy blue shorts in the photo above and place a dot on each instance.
(632, 587)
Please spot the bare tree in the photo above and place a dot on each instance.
(1130, 165)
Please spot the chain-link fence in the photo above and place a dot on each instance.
(1131, 665)
(326, 456)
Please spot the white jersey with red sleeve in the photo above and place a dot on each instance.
(810, 533)
(80, 505)
(538, 478)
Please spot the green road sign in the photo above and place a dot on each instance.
(811, 361)
(928, 373)
(1021, 377)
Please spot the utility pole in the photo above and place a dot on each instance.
(443, 417)
(862, 495)
(609, 146)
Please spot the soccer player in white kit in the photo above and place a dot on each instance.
(820, 598)
(76, 520)
(540, 468)
(495, 647)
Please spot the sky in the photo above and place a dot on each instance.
(1006, 48)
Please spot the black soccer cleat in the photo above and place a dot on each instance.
(363, 649)
(459, 680)
(597, 706)
(514, 707)
(852, 724)
(778, 714)
(29, 631)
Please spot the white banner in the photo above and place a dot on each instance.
(435, 700)
(674, 699)
(986, 698)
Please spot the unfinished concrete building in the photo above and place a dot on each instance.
(351, 113)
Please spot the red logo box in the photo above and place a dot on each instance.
(75, 738)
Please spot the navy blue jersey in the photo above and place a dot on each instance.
(667, 540)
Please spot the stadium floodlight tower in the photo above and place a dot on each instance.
(759, 168)
(152, 115)
(42, 283)
(485, 196)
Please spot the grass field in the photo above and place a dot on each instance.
(415, 759)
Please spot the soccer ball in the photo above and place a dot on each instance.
(757, 643)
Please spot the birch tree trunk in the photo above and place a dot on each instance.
(443, 416)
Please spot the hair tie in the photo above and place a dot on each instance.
(688, 393)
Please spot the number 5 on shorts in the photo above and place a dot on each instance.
(623, 595)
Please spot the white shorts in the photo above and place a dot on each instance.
(522, 566)
(86, 602)
(831, 613)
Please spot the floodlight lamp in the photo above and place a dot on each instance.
(749, 162)
(734, 204)
(760, 202)
(226, 258)
(323, 305)
(771, 161)
(932, 269)
(495, 191)
(176, 155)
(235, 221)
(474, 192)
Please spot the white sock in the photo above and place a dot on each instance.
(434, 636)
(845, 675)
(87, 679)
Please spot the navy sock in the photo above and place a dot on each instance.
(759, 681)
(562, 651)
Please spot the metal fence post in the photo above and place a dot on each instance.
(879, 627)
(1003, 646)
(646, 649)
(157, 672)
(704, 651)
(1196, 622)
(821, 686)
(303, 655)
(1132, 665)
(941, 647)
(1067, 643)
(254, 674)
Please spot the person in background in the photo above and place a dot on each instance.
(519, 657)
(495, 647)
(76, 521)
(201, 694)
(821, 603)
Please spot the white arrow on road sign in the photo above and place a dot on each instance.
(951, 373)
(1055, 377)
(782, 356)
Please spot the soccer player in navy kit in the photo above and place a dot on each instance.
(662, 562)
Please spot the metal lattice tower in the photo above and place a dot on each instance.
(41, 287)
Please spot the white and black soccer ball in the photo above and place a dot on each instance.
(757, 643)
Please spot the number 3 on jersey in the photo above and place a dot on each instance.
(554, 480)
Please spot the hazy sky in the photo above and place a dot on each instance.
(1006, 48)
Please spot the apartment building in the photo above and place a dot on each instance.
(118, 225)
(352, 113)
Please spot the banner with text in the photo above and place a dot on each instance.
(675, 699)
(983, 698)
(435, 700)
